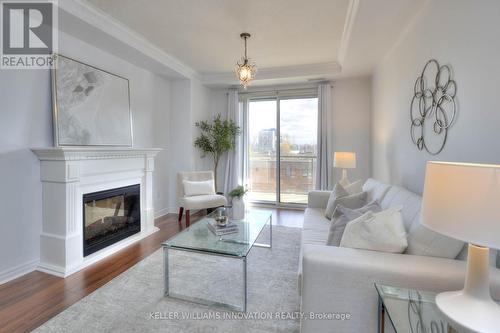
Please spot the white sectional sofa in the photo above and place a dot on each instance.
(341, 280)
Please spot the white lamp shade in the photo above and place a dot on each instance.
(344, 160)
(462, 201)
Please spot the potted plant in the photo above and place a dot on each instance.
(217, 137)
(237, 195)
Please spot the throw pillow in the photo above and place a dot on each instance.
(425, 242)
(383, 231)
(344, 215)
(338, 192)
(204, 187)
(372, 206)
(354, 187)
(353, 201)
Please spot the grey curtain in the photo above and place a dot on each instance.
(324, 165)
(234, 170)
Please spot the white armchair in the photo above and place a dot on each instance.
(188, 203)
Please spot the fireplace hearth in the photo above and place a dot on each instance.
(110, 216)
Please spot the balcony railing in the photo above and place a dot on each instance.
(298, 174)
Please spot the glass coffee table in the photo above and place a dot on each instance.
(236, 246)
(410, 311)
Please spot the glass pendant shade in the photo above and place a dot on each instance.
(245, 71)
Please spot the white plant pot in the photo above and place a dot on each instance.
(238, 208)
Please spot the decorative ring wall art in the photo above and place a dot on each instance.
(433, 108)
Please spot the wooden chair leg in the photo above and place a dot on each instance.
(181, 210)
(188, 218)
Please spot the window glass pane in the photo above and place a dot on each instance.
(298, 148)
(262, 150)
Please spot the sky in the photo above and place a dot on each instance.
(299, 119)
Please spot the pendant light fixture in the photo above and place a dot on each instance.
(245, 70)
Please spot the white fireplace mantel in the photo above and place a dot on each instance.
(69, 173)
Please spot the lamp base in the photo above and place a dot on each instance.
(472, 309)
(344, 181)
(469, 313)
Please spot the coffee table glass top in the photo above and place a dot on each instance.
(198, 236)
(411, 310)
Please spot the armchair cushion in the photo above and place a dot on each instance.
(203, 187)
(202, 201)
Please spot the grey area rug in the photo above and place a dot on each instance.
(134, 301)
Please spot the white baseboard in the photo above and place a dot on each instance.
(165, 211)
(51, 269)
(17, 271)
(161, 212)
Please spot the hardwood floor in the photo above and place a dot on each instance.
(31, 300)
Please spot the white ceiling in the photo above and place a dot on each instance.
(308, 38)
(376, 27)
(204, 34)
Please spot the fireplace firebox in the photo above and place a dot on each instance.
(110, 216)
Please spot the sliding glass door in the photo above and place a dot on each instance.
(281, 148)
(298, 133)
(262, 150)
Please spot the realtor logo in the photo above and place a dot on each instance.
(29, 34)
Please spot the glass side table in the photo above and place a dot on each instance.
(410, 311)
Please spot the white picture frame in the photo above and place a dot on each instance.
(91, 106)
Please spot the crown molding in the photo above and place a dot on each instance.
(98, 19)
(277, 74)
(352, 11)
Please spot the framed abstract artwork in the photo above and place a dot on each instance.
(91, 107)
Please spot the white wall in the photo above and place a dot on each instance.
(351, 123)
(190, 102)
(217, 104)
(161, 128)
(26, 122)
(463, 34)
(180, 127)
(200, 109)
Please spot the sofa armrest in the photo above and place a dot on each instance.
(341, 280)
(318, 199)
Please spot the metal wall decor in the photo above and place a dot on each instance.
(433, 108)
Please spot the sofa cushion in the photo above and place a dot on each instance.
(314, 232)
(315, 227)
(354, 187)
(425, 242)
(344, 215)
(411, 202)
(383, 231)
(376, 190)
(338, 192)
(355, 213)
(337, 227)
(353, 201)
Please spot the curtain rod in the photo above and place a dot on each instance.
(274, 90)
(286, 89)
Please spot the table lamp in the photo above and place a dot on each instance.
(344, 160)
(462, 201)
